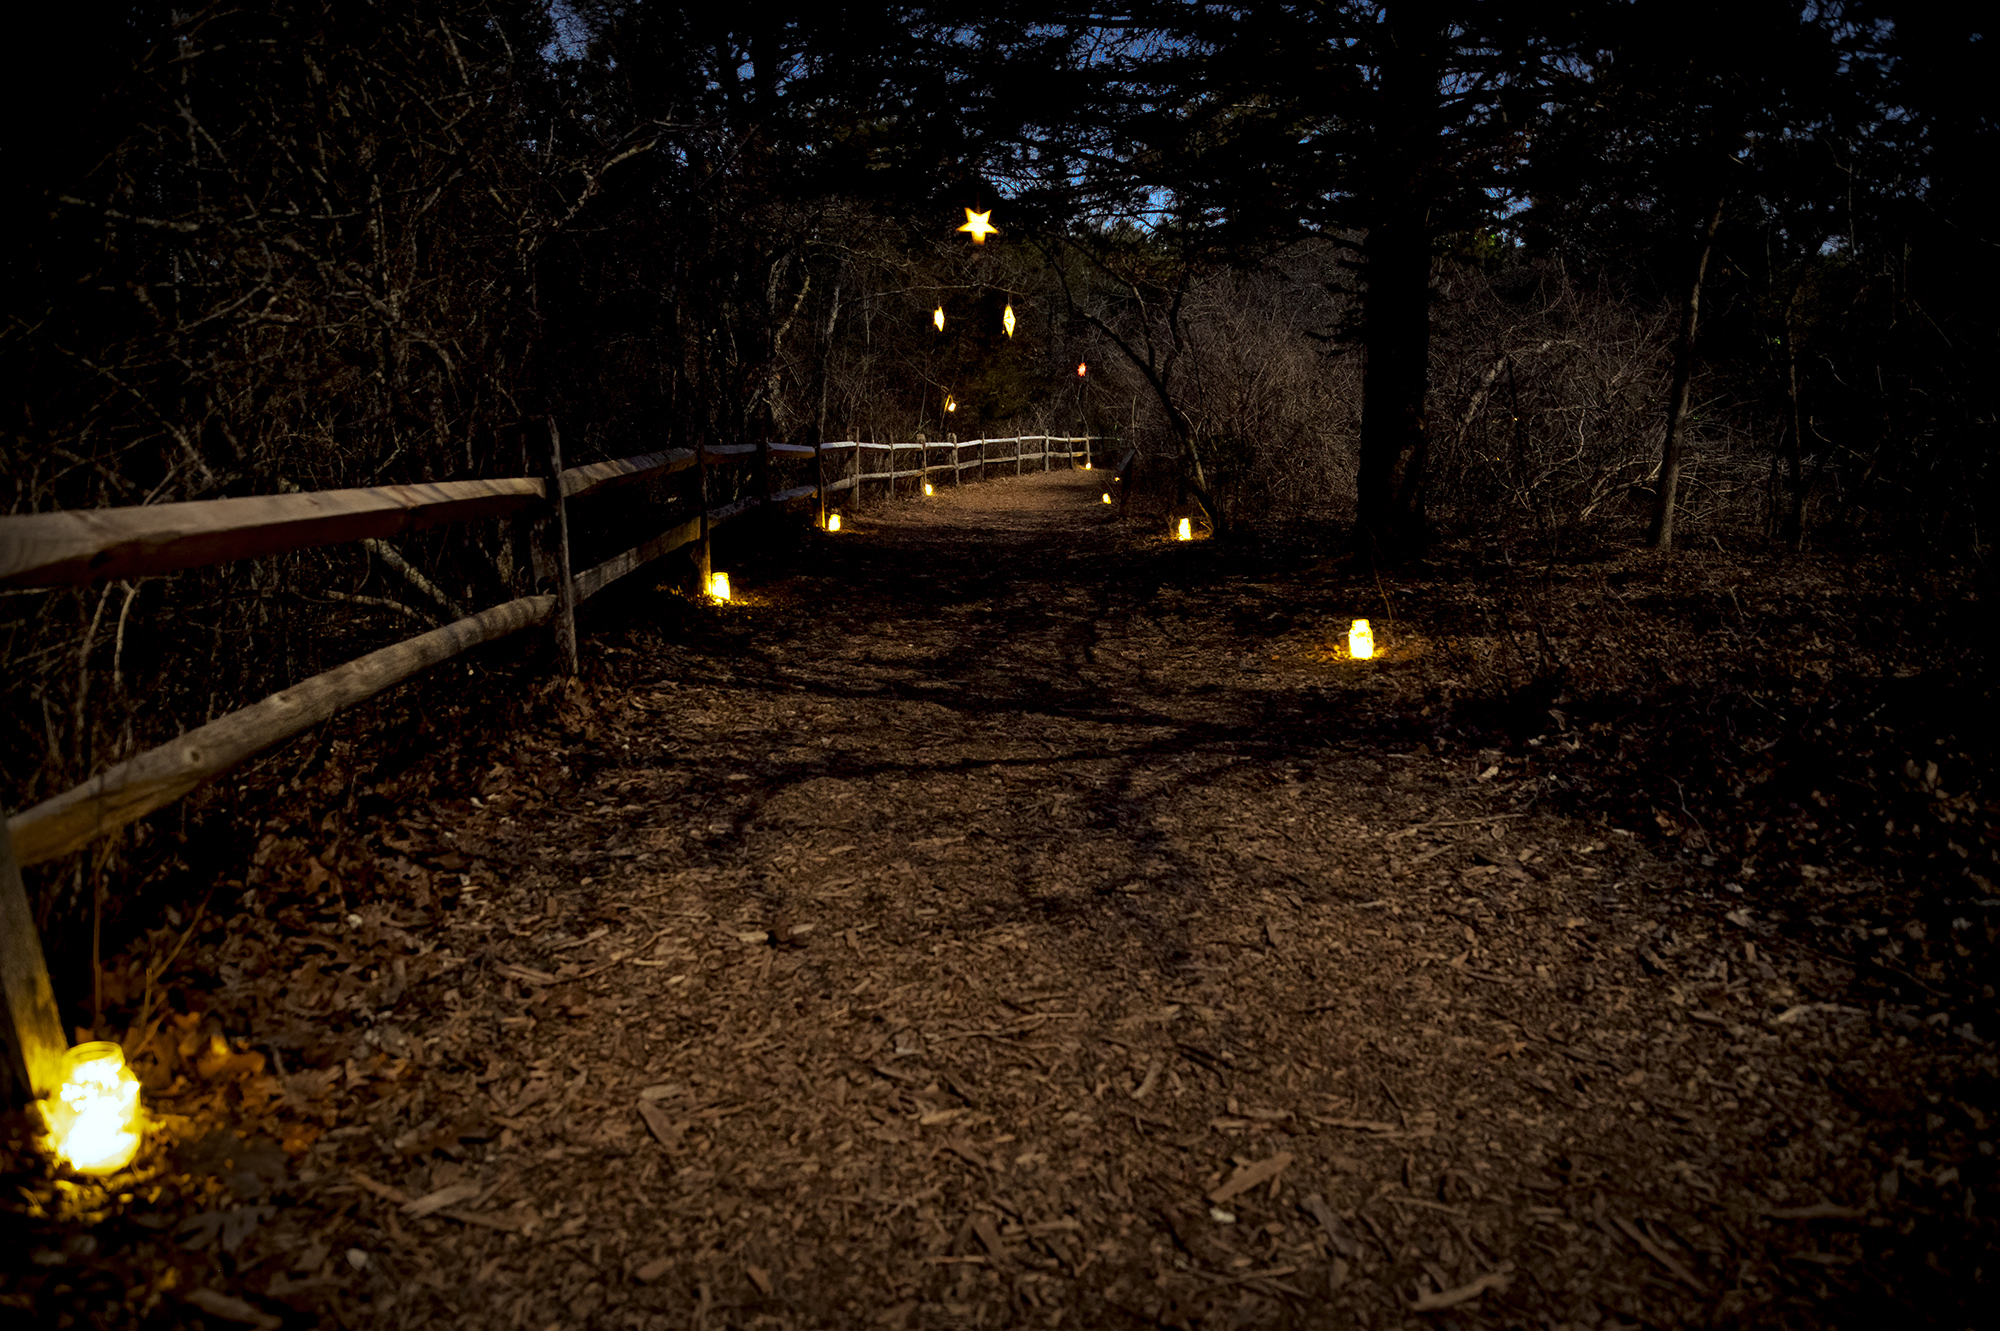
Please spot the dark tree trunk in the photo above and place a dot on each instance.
(1794, 531)
(1661, 536)
(1399, 180)
(1397, 336)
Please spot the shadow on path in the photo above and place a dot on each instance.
(1000, 916)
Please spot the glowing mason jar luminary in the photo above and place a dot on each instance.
(1107, 496)
(1185, 531)
(718, 586)
(1361, 640)
(927, 489)
(833, 522)
(93, 1118)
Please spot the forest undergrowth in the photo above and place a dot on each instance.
(1817, 732)
(1806, 740)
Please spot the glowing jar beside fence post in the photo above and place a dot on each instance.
(93, 1117)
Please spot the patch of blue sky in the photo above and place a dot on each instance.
(570, 39)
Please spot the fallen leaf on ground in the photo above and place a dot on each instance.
(1451, 1298)
(1249, 1176)
(660, 1123)
(443, 1197)
(232, 1309)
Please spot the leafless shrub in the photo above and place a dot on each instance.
(1547, 405)
(1275, 409)
(302, 263)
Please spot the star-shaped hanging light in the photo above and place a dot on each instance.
(1007, 320)
(937, 317)
(980, 225)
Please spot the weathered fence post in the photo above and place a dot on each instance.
(819, 475)
(565, 587)
(701, 498)
(35, 1043)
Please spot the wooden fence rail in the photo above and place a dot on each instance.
(959, 464)
(61, 549)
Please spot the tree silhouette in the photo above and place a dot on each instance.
(1381, 127)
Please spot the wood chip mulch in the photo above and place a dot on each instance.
(999, 916)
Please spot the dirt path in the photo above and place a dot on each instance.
(1000, 918)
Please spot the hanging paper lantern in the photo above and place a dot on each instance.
(1360, 640)
(93, 1117)
(1007, 320)
(979, 226)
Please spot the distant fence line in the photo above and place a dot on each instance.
(71, 548)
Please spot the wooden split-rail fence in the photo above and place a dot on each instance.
(71, 548)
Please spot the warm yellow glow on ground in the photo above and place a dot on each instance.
(1184, 532)
(718, 586)
(1361, 641)
(1086, 466)
(833, 522)
(93, 1118)
(1107, 496)
(927, 489)
(979, 226)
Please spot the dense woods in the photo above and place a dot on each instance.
(1001, 911)
(1397, 274)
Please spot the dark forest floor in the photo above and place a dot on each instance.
(1000, 916)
